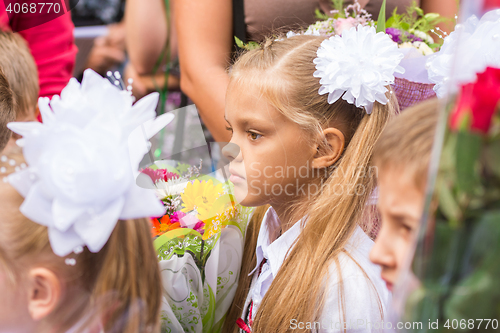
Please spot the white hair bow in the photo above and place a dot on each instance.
(83, 161)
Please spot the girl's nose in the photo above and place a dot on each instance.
(381, 253)
(231, 151)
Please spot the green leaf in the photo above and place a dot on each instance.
(338, 5)
(252, 46)
(432, 16)
(320, 15)
(467, 154)
(419, 11)
(239, 42)
(492, 158)
(476, 291)
(390, 23)
(381, 18)
(448, 203)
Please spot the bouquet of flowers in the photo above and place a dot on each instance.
(199, 242)
(340, 19)
(411, 31)
(456, 259)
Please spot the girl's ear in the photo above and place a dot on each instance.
(327, 155)
(44, 292)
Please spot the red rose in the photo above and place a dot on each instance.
(490, 4)
(479, 100)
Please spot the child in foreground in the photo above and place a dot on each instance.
(76, 253)
(303, 145)
(402, 156)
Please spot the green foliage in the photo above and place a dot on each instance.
(414, 19)
(320, 15)
(338, 5)
(467, 154)
(249, 46)
(381, 18)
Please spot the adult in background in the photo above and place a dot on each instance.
(108, 51)
(147, 32)
(205, 33)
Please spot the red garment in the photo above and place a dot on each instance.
(52, 45)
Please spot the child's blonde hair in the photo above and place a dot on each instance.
(119, 286)
(7, 113)
(20, 69)
(283, 70)
(407, 141)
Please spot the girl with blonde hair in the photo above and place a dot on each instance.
(305, 114)
(76, 252)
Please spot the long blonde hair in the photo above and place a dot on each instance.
(120, 286)
(283, 70)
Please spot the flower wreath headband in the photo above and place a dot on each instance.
(83, 161)
(358, 66)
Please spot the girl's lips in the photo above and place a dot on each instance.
(236, 179)
(389, 285)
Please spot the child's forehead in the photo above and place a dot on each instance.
(401, 173)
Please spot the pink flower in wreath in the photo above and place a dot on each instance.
(342, 24)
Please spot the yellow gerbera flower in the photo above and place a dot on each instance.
(200, 196)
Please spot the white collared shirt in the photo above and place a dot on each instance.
(360, 299)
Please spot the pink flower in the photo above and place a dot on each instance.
(159, 174)
(199, 227)
(177, 216)
(342, 24)
(479, 101)
(490, 4)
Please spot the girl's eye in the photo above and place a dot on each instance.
(406, 229)
(254, 136)
(229, 129)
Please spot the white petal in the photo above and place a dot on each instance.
(65, 214)
(154, 126)
(95, 231)
(148, 102)
(140, 203)
(45, 110)
(91, 80)
(37, 206)
(22, 181)
(63, 243)
(25, 128)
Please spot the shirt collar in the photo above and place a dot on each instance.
(274, 252)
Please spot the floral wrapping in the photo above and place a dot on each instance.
(197, 297)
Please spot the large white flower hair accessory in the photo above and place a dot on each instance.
(358, 66)
(471, 48)
(81, 175)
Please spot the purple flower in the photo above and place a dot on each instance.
(400, 37)
(395, 34)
